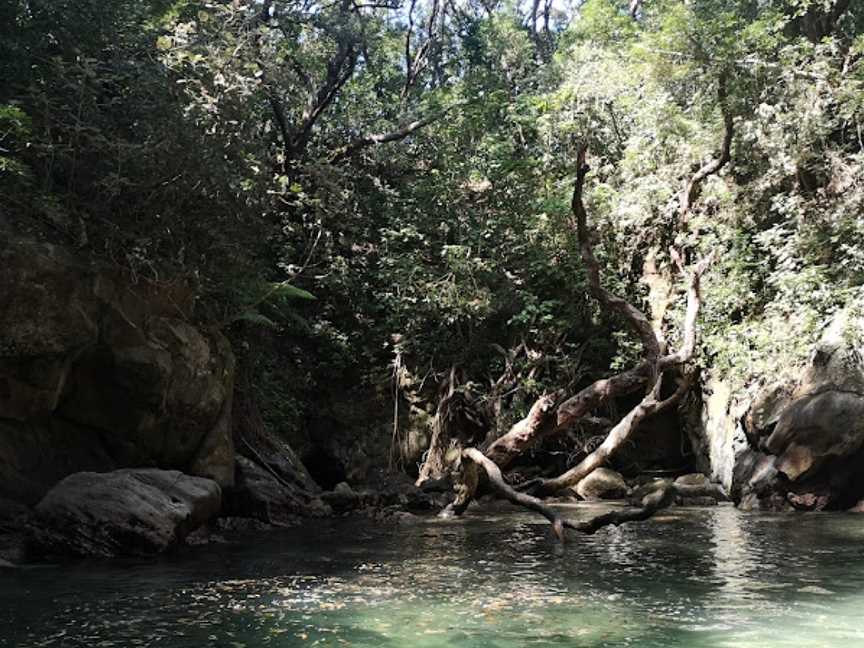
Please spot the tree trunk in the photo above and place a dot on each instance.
(547, 416)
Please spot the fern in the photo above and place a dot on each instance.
(284, 290)
(254, 317)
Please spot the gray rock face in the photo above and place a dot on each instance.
(816, 428)
(602, 484)
(813, 450)
(98, 371)
(13, 532)
(724, 437)
(825, 415)
(804, 442)
(124, 512)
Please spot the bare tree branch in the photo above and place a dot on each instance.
(649, 406)
(635, 317)
(533, 428)
(339, 70)
(396, 135)
(691, 191)
(415, 64)
(659, 495)
(496, 481)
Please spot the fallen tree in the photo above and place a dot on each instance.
(552, 413)
(547, 417)
(651, 498)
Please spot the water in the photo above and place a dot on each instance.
(710, 577)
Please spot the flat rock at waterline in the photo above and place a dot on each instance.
(124, 512)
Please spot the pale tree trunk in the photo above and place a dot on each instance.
(458, 424)
(532, 430)
(657, 496)
(548, 417)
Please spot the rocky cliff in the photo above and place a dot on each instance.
(99, 371)
(795, 444)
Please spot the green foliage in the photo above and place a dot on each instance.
(204, 139)
(14, 129)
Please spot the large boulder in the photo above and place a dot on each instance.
(343, 498)
(602, 484)
(824, 418)
(99, 370)
(124, 512)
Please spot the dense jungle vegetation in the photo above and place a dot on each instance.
(375, 196)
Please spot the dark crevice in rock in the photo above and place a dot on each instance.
(325, 469)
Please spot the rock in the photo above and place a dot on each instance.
(99, 371)
(241, 525)
(825, 418)
(13, 532)
(858, 508)
(796, 443)
(12, 512)
(442, 485)
(351, 434)
(35, 455)
(344, 489)
(124, 512)
(159, 393)
(765, 410)
(342, 498)
(814, 428)
(755, 479)
(808, 501)
(204, 535)
(817, 443)
(258, 494)
(47, 318)
(392, 515)
(773, 501)
(602, 484)
(389, 488)
(693, 479)
(697, 501)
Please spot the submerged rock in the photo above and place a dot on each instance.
(124, 512)
(809, 501)
(698, 480)
(602, 484)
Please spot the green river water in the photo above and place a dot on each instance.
(695, 578)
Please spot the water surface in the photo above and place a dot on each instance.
(693, 578)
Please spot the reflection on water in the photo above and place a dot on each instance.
(690, 577)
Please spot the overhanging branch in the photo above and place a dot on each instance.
(395, 135)
(694, 185)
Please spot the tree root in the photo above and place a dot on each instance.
(660, 495)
